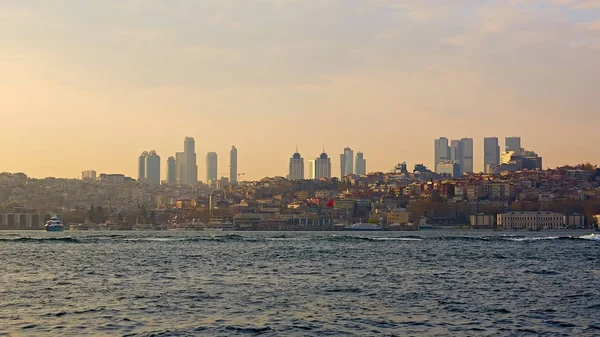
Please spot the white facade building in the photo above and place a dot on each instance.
(531, 220)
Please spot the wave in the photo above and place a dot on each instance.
(67, 239)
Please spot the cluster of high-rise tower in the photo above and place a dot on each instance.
(321, 166)
(182, 169)
(456, 157)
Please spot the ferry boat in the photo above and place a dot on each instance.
(363, 227)
(54, 225)
(219, 226)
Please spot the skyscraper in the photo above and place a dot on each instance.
(347, 162)
(512, 143)
(233, 169)
(441, 151)
(180, 162)
(296, 167)
(466, 156)
(311, 169)
(153, 168)
(211, 169)
(455, 151)
(323, 166)
(171, 171)
(461, 151)
(142, 166)
(491, 153)
(191, 168)
(361, 164)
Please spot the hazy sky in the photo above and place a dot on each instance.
(91, 84)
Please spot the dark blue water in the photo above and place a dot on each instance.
(434, 283)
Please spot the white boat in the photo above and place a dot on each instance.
(54, 225)
(363, 227)
(219, 226)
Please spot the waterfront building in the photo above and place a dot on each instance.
(346, 162)
(441, 151)
(233, 166)
(491, 154)
(88, 175)
(512, 144)
(21, 218)
(398, 216)
(449, 168)
(531, 220)
(153, 168)
(360, 166)
(211, 169)
(142, 166)
(311, 170)
(323, 166)
(190, 175)
(171, 171)
(483, 221)
(296, 171)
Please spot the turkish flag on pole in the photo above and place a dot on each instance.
(330, 203)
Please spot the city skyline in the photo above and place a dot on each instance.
(320, 74)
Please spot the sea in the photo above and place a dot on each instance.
(427, 283)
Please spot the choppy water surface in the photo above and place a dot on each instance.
(304, 284)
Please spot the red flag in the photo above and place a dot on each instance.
(330, 203)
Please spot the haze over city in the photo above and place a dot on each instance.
(90, 85)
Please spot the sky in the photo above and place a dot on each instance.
(91, 84)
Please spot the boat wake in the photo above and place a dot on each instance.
(286, 238)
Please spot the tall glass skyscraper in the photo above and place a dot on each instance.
(211, 169)
(323, 167)
(153, 168)
(190, 175)
(360, 166)
(491, 153)
(142, 166)
(441, 151)
(296, 167)
(233, 168)
(512, 143)
(171, 171)
(347, 162)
